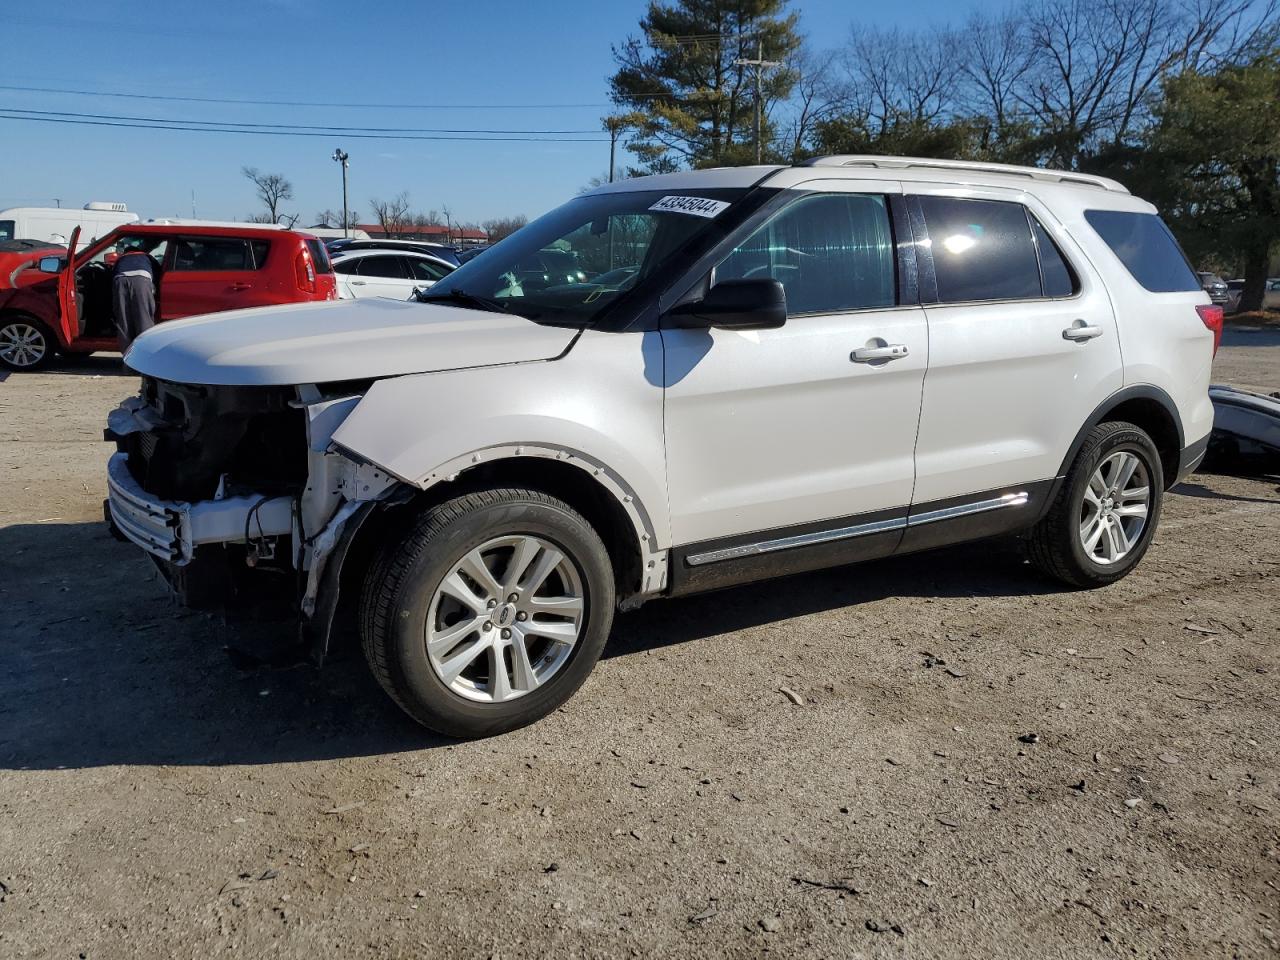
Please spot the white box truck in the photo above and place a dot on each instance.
(54, 224)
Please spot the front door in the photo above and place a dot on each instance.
(68, 301)
(1022, 345)
(382, 275)
(809, 428)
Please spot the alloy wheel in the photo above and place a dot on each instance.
(505, 619)
(1114, 511)
(21, 344)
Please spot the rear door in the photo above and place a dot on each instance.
(382, 275)
(1022, 345)
(210, 274)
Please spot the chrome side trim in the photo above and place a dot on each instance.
(799, 540)
(1019, 499)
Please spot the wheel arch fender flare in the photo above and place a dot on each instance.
(1142, 392)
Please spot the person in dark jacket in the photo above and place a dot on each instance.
(134, 295)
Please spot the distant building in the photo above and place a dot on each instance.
(432, 232)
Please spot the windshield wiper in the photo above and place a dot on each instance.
(462, 297)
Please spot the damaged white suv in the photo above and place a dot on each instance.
(668, 385)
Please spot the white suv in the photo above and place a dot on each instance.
(668, 385)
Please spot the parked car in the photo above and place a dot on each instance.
(47, 309)
(853, 358)
(1214, 286)
(1271, 294)
(386, 273)
(437, 250)
(470, 253)
(17, 254)
(1235, 288)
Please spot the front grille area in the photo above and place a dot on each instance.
(250, 434)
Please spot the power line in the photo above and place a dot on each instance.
(6, 114)
(281, 126)
(303, 103)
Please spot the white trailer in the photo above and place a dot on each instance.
(55, 224)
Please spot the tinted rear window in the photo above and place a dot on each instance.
(1146, 248)
(319, 256)
(982, 250)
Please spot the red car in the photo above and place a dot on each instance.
(47, 309)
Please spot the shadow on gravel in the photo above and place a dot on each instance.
(94, 364)
(98, 666)
(987, 569)
(1189, 488)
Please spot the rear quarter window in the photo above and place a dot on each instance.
(1146, 248)
(319, 255)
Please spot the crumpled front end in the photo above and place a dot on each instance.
(238, 494)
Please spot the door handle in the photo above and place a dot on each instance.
(1081, 331)
(892, 351)
(357, 283)
(240, 286)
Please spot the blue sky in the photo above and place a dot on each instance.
(532, 53)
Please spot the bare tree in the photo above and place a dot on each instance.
(392, 215)
(502, 227)
(273, 189)
(333, 220)
(815, 96)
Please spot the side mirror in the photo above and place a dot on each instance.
(736, 305)
(50, 264)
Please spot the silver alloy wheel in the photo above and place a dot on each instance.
(505, 619)
(1113, 514)
(21, 344)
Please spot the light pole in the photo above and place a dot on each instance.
(341, 157)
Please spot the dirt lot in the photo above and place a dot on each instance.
(162, 797)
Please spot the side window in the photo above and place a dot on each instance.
(982, 249)
(346, 266)
(1146, 248)
(214, 254)
(1059, 279)
(426, 270)
(831, 252)
(259, 249)
(382, 266)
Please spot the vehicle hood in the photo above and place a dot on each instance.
(338, 340)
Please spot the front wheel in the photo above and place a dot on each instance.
(1106, 510)
(490, 613)
(25, 343)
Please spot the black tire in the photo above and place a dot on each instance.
(18, 321)
(1054, 544)
(402, 581)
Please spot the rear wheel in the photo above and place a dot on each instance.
(490, 613)
(25, 343)
(1106, 511)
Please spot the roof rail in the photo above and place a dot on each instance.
(904, 163)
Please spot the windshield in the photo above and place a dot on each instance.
(581, 259)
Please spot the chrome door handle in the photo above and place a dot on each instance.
(893, 351)
(1081, 331)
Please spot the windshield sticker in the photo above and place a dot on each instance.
(696, 206)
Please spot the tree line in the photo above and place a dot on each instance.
(393, 216)
(1178, 99)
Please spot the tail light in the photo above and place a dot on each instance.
(305, 271)
(1212, 317)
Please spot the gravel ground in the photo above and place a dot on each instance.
(981, 765)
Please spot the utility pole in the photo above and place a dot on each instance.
(341, 156)
(615, 126)
(759, 63)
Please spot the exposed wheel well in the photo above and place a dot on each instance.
(556, 478)
(1154, 418)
